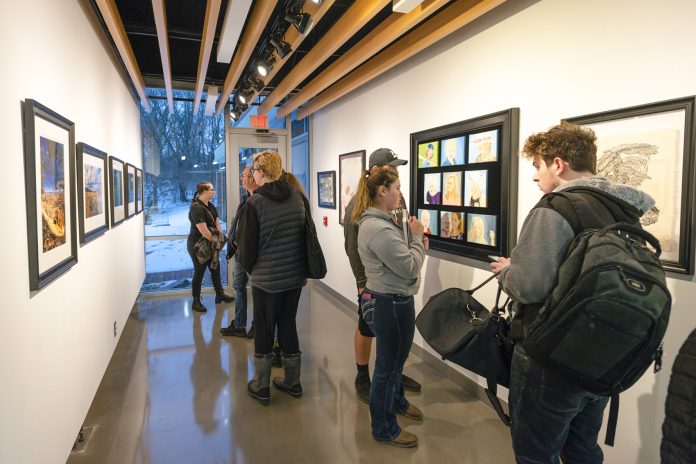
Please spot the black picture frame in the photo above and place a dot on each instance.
(326, 186)
(139, 191)
(129, 191)
(350, 168)
(661, 136)
(49, 172)
(472, 200)
(116, 191)
(92, 192)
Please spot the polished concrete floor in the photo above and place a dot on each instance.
(175, 392)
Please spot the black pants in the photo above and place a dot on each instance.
(199, 270)
(271, 310)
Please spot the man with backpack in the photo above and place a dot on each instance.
(552, 415)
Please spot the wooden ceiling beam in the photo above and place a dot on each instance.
(388, 31)
(351, 22)
(162, 40)
(212, 12)
(451, 19)
(254, 29)
(112, 19)
(294, 39)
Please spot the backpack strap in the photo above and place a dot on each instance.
(612, 421)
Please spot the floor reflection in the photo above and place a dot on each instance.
(175, 392)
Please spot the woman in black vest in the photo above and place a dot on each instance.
(271, 247)
(203, 217)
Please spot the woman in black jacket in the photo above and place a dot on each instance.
(271, 247)
(203, 217)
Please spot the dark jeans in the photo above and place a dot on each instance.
(199, 270)
(552, 417)
(392, 318)
(273, 310)
(239, 283)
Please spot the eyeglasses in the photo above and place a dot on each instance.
(253, 169)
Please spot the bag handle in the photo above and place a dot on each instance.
(635, 230)
(471, 292)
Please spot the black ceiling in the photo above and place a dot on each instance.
(185, 20)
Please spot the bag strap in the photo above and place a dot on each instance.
(636, 231)
(471, 292)
(206, 210)
(492, 361)
(613, 419)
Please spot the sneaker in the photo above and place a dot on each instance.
(412, 413)
(403, 440)
(362, 386)
(410, 384)
(233, 331)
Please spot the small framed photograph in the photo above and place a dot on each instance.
(351, 167)
(453, 151)
(139, 191)
(428, 217)
(428, 154)
(457, 225)
(481, 229)
(93, 193)
(326, 181)
(452, 193)
(433, 189)
(117, 204)
(483, 147)
(49, 167)
(475, 188)
(129, 189)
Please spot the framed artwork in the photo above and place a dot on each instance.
(651, 147)
(350, 168)
(93, 194)
(139, 191)
(326, 180)
(117, 207)
(129, 190)
(49, 172)
(467, 196)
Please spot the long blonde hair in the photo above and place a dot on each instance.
(369, 184)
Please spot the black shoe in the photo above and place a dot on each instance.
(233, 331)
(295, 390)
(223, 298)
(410, 384)
(198, 306)
(362, 386)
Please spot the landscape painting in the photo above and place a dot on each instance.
(93, 192)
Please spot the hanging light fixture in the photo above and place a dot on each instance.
(255, 83)
(264, 66)
(243, 96)
(282, 48)
(303, 22)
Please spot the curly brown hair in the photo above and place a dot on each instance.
(574, 144)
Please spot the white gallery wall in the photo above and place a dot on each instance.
(55, 344)
(553, 59)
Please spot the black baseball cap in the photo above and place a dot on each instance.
(383, 156)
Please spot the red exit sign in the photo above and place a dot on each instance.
(259, 122)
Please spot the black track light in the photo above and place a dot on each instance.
(256, 84)
(264, 66)
(243, 96)
(303, 22)
(282, 48)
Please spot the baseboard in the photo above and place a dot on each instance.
(469, 385)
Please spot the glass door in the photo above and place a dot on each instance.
(242, 144)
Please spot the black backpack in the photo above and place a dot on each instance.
(602, 324)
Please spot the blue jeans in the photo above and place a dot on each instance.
(552, 417)
(239, 283)
(392, 318)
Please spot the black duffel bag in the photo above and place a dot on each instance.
(464, 332)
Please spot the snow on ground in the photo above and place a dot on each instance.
(172, 222)
(166, 255)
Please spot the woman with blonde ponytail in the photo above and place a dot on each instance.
(392, 260)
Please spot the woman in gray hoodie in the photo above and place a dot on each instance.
(392, 254)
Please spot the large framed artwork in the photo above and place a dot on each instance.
(49, 171)
(326, 180)
(129, 190)
(93, 195)
(651, 147)
(350, 168)
(139, 191)
(117, 200)
(464, 184)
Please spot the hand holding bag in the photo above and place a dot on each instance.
(463, 331)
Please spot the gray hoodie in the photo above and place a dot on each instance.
(544, 239)
(391, 264)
